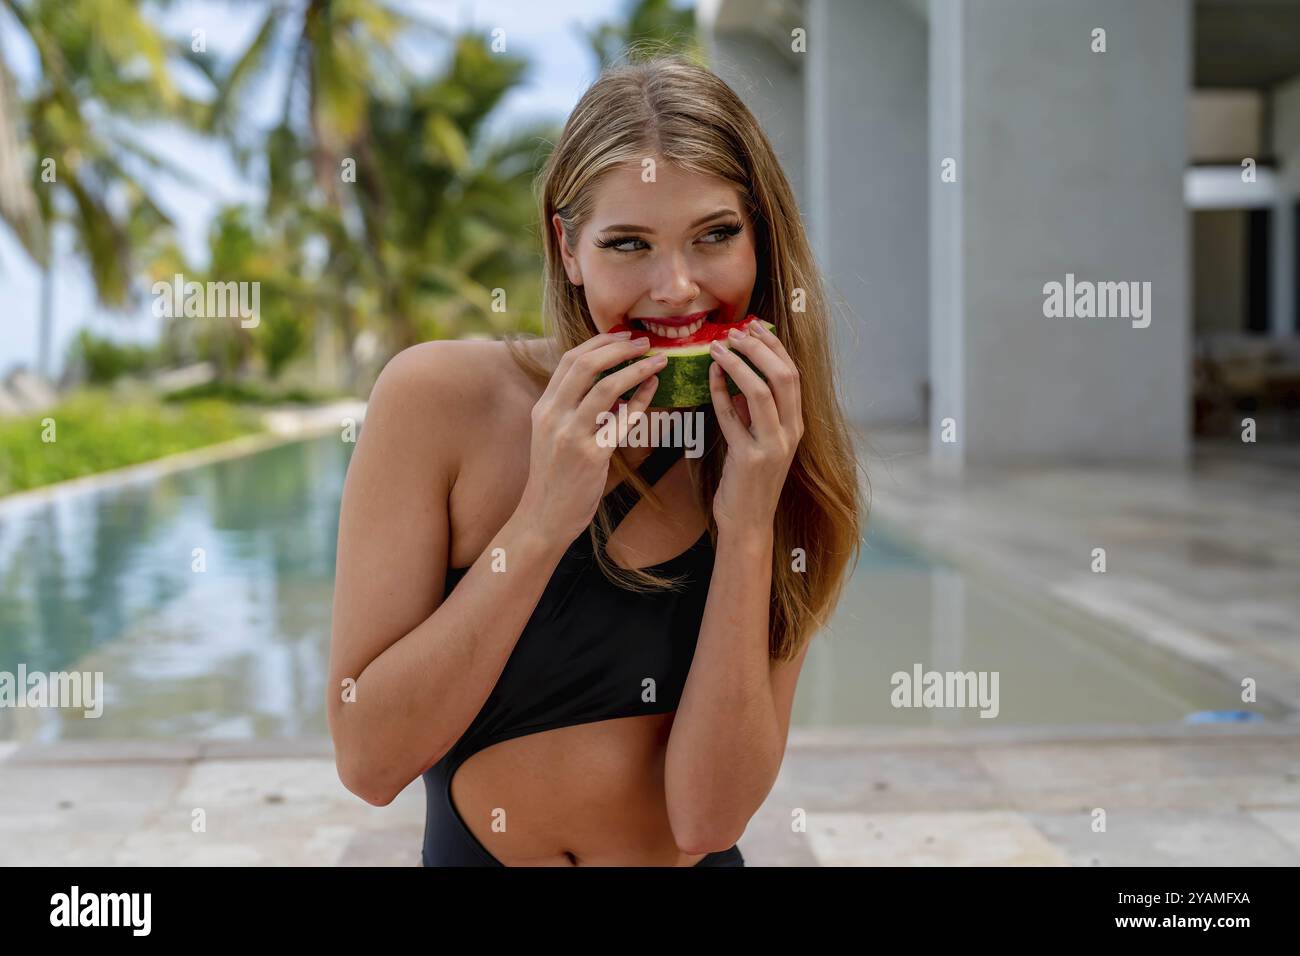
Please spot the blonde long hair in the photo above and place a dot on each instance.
(670, 107)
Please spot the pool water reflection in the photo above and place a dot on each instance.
(107, 580)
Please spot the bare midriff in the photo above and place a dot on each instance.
(585, 795)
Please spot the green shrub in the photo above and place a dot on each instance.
(246, 393)
(95, 432)
(106, 360)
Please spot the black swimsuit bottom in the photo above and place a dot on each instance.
(591, 651)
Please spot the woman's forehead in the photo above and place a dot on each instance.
(662, 196)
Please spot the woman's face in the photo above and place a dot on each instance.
(655, 255)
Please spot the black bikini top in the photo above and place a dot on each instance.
(593, 650)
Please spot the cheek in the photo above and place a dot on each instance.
(734, 278)
(611, 291)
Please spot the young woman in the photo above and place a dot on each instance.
(590, 653)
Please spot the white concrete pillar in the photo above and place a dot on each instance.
(865, 84)
(1282, 320)
(1069, 163)
(1284, 107)
(945, 174)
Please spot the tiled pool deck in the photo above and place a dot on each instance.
(1214, 796)
(1204, 562)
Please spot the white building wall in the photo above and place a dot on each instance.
(772, 87)
(1071, 161)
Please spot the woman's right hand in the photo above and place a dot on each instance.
(568, 467)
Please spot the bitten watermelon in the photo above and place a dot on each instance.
(684, 381)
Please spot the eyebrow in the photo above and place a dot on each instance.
(625, 227)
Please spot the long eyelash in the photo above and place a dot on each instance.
(618, 240)
(729, 233)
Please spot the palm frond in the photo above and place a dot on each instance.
(254, 62)
(18, 206)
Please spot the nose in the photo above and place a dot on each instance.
(673, 286)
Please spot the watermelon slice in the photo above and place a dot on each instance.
(684, 381)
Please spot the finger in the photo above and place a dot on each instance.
(733, 429)
(758, 329)
(637, 406)
(582, 372)
(762, 403)
(605, 392)
(778, 371)
(742, 409)
(758, 350)
(582, 348)
(762, 332)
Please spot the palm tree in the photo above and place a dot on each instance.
(100, 63)
(452, 217)
(666, 27)
(242, 244)
(335, 52)
(434, 218)
(17, 200)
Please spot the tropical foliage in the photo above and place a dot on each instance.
(391, 211)
(100, 65)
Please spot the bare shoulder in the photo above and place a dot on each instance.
(438, 394)
(450, 370)
(452, 379)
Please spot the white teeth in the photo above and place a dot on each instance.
(674, 331)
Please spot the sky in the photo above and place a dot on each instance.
(544, 31)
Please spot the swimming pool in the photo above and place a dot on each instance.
(904, 612)
(104, 580)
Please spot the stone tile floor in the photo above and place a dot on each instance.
(1170, 795)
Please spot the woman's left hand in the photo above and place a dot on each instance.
(762, 425)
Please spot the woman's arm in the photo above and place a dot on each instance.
(422, 667)
(729, 735)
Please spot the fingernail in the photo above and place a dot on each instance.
(734, 334)
(625, 334)
(659, 360)
(756, 328)
(717, 348)
(641, 343)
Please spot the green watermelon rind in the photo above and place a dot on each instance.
(684, 381)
